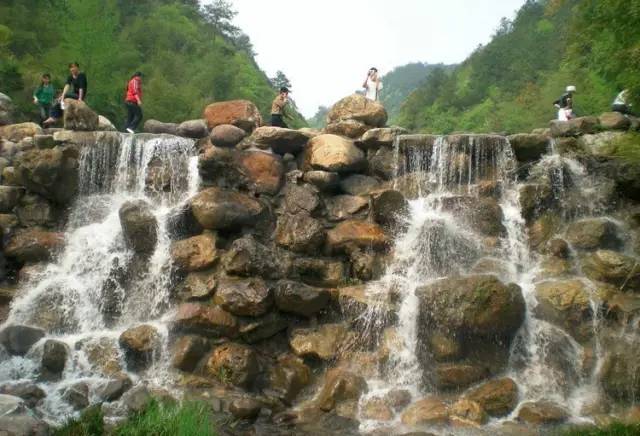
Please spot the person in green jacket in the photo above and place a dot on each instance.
(43, 97)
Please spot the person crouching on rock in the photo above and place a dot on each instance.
(565, 104)
(621, 104)
(133, 102)
(278, 108)
(372, 85)
(43, 97)
(78, 81)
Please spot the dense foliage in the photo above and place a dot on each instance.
(190, 56)
(510, 84)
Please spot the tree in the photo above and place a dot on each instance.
(243, 43)
(280, 80)
(219, 13)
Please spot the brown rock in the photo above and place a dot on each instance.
(614, 121)
(247, 257)
(139, 226)
(34, 245)
(443, 347)
(288, 377)
(52, 173)
(245, 408)
(218, 209)
(389, 208)
(240, 113)
(542, 412)
(428, 411)
(322, 342)
(613, 267)
(280, 140)
(341, 207)
(356, 233)
(234, 364)
(359, 184)
(466, 413)
(458, 376)
(17, 132)
(244, 297)
(196, 253)
(340, 386)
(187, 352)
(320, 272)
(565, 303)
(300, 233)
(79, 116)
(198, 285)
(377, 409)
(226, 135)
(300, 299)
(103, 355)
(9, 197)
(205, 320)
(263, 170)
(139, 345)
(381, 136)
(335, 154)
(497, 397)
(323, 180)
(350, 128)
(193, 129)
(593, 233)
(358, 107)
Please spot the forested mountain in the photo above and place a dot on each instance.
(190, 55)
(510, 84)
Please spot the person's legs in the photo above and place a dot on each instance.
(130, 115)
(55, 114)
(44, 112)
(137, 117)
(277, 121)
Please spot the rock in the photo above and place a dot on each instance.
(44, 141)
(233, 364)
(79, 116)
(193, 129)
(244, 297)
(258, 329)
(565, 303)
(339, 386)
(35, 211)
(219, 209)
(300, 299)
(558, 248)
(613, 267)
(240, 113)
(543, 229)
(356, 233)
(247, 257)
(335, 154)
(385, 136)
(198, 285)
(17, 132)
(245, 408)
(627, 183)
(614, 121)
(534, 198)
(137, 399)
(226, 135)
(529, 147)
(23, 423)
(34, 245)
(341, 207)
(300, 199)
(280, 140)
(264, 171)
(350, 128)
(323, 180)
(428, 411)
(54, 358)
(11, 177)
(187, 352)
(444, 348)
(11, 405)
(320, 272)
(299, 233)
(390, 208)
(459, 375)
(158, 127)
(593, 233)
(466, 413)
(542, 413)
(52, 173)
(195, 253)
(288, 377)
(139, 226)
(6, 110)
(358, 184)
(140, 344)
(600, 144)
(113, 389)
(27, 391)
(322, 342)
(205, 320)
(486, 217)
(575, 127)
(497, 397)
(366, 264)
(619, 375)
(77, 395)
(9, 197)
(382, 163)
(103, 355)
(358, 107)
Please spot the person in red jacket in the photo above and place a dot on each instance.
(133, 102)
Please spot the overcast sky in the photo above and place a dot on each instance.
(325, 47)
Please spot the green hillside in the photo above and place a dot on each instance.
(190, 56)
(509, 84)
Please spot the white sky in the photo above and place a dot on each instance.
(325, 47)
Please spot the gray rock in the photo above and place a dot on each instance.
(9, 197)
(244, 297)
(27, 391)
(155, 126)
(593, 233)
(248, 257)
(358, 184)
(193, 129)
(299, 233)
(341, 207)
(300, 299)
(79, 116)
(384, 136)
(54, 358)
(18, 339)
(574, 127)
(139, 226)
(323, 180)
(35, 211)
(77, 395)
(112, 390)
(529, 147)
(226, 135)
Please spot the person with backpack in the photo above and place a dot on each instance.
(133, 102)
(43, 97)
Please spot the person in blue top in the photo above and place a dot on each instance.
(43, 97)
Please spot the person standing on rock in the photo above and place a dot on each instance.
(278, 108)
(133, 102)
(79, 82)
(372, 85)
(621, 104)
(43, 97)
(565, 104)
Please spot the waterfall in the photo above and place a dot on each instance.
(80, 298)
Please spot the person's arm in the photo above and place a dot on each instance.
(137, 87)
(365, 85)
(83, 86)
(64, 91)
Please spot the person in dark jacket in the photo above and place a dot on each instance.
(565, 104)
(133, 102)
(75, 88)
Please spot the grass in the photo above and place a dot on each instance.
(157, 419)
(616, 429)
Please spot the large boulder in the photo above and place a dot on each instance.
(263, 171)
(300, 233)
(18, 339)
(219, 209)
(205, 320)
(542, 413)
(158, 127)
(614, 121)
(381, 136)
(247, 257)
(358, 107)
(565, 303)
(79, 116)
(356, 233)
(195, 253)
(280, 140)
(451, 376)
(17, 132)
(104, 125)
(198, 285)
(574, 127)
(600, 144)
(6, 110)
(322, 180)
(139, 226)
(300, 299)
(54, 358)
(234, 364)
(28, 391)
(613, 267)
(620, 373)
(350, 128)
(497, 397)
(34, 245)
(359, 184)
(195, 129)
(390, 207)
(428, 411)
(335, 154)
(288, 377)
(240, 113)
(342, 207)
(340, 386)
(322, 342)
(187, 352)
(300, 199)
(34, 210)
(529, 147)
(593, 233)
(52, 173)
(139, 344)
(244, 297)
(226, 135)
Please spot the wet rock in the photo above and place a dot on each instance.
(565, 303)
(300, 233)
(54, 358)
(492, 265)
(320, 272)
(534, 198)
(221, 209)
(542, 413)
(264, 171)
(599, 144)
(244, 297)
(79, 116)
(23, 423)
(245, 408)
(288, 377)
(196, 253)
(428, 411)
(35, 211)
(377, 409)
(137, 399)
(52, 173)
(240, 113)
(614, 121)
(613, 267)
(335, 154)
(103, 354)
(226, 135)
(444, 348)
(389, 208)
(280, 140)
(497, 397)
(254, 330)
(620, 373)
(350, 128)
(113, 389)
(356, 233)
(205, 320)
(234, 364)
(339, 386)
(382, 163)
(193, 129)
(575, 127)
(18, 339)
(140, 344)
(341, 207)
(359, 184)
(358, 107)
(529, 147)
(247, 257)
(27, 391)
(366, 264)
(381, 136)
(187, 352)
(8, 222)
(322, 342)
(466, 413)
(558, 248)
(77, 395)
(300, 199)
(459, 375)
(300, 299)
(9, 197)
(139, 226)
(198, 285)
(17, 132)
(486, 217)
(158, 127)
(543, 229)
(323, 180)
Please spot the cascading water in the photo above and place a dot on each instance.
(81, 298)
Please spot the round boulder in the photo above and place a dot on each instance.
(300, 299)
(17, 132)
(139, 226)
(356, 233)
(240, 113)
(204, 320)
(158, 127)
(335, 154)
(79, 116)
(195, 253)
(428, 411)
(299, 233)
(195, 129)
(264, 171)
(234, 364)
(244, 297)
(497, 397)
(280, 140)
(217, 209)
(139, 345)
(226, 135)
(358, 107)
(322, 342)
(18, 339)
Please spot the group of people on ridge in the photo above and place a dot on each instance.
(564, 104)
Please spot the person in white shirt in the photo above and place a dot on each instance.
(621, 103)
(372, 85)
